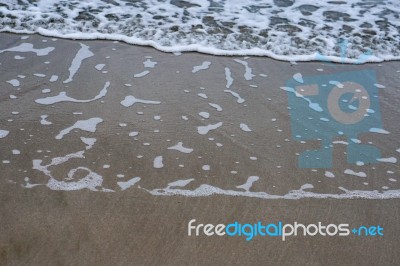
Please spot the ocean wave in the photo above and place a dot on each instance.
(289, 30)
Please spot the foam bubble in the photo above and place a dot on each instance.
(14, 82)
(127, 184)
(236, 95)
(3, 133)
(203, 66)
(44, 121)
(62, 97)
(245, 127)
(82, 54)
(298, 77)
(249, 183)
(131, 100)
(248, 75)
(205, 115)
(141, 74)
(89, 125)
(216, 106)
(158, 162)
(179, 147)
(329, 174)
(205, 167)
(203, 130)
(28, 47)
(228, 77)
(351, 172)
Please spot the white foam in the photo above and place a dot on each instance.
(249, 183)
(205, 65)
(203, 130)
(44, 121)
(180, 183)
(89, 125)
(149, 64)
(62, 97)
(378, 130)
(351, 172)
(204, 115)
(82, 54)
(202, 95)
(131, 100)
(379, 86)
(340, 142)
(91, 180)
(248, 75)
(133, 134)
(28, 47)
(14, 82)
(337, 84)
(179, 147)
(315, 106)
(205, 190)
(53, 78)
(127, 184)
(245, 127)
(89, 142)
(141, 74)
(388, 160)
(158, 162)
(236, 95)
(3, 133)
(216, 106)
(329, 174)
(228, 77)
(298, 77)
(205, 167)
(288, 38)
(99, 67)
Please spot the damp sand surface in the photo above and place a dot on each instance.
(121, 169)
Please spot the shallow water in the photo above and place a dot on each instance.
(282, 29)
(176, 131)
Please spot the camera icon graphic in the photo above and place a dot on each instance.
(324, 107)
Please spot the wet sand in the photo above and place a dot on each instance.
(145, 221)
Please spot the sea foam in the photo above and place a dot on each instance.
(300, 30)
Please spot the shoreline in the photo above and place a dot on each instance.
(93, 116)
(255, 52)
(63, 101)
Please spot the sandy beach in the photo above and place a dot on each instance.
(108, 150)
